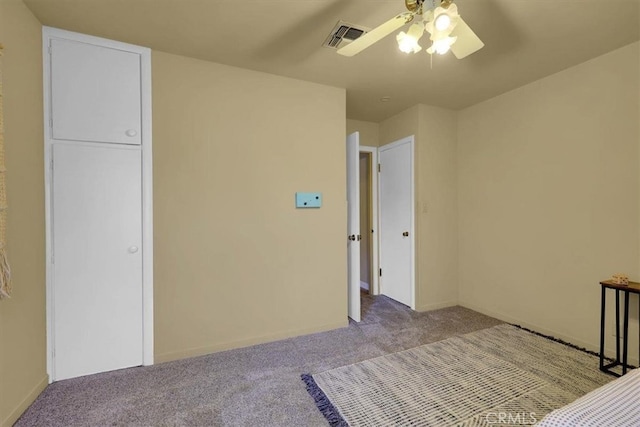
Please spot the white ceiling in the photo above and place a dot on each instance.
(524, 41)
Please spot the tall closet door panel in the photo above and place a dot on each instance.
(97, 259)
(95, 93)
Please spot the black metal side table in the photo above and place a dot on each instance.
(631, 288)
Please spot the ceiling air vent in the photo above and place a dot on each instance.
(344, 33)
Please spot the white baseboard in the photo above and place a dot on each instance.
(201, 351)
(591, 346)
(436, 306)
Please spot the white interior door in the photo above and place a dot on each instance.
(396, 221)
(95, 93)
(353, 224)
(97, 259)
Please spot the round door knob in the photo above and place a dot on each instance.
(133, 249)
(131, 132)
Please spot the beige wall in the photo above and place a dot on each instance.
(235, 262)
(436, 209)
(436, 200)
(22, 318)
(396, 127)
(549, 194)
(369, 131)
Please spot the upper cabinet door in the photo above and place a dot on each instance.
(95, 93)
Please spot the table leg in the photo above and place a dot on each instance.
(618, 325)
(602, 316)
(626, 333)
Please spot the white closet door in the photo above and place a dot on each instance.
(97, 256)
(396, 219)
(95, 93)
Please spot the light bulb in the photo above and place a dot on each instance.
(407, 43)
(442, 22)
(442, 46)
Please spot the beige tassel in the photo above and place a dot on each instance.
(5, 275)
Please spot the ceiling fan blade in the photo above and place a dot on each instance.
(376, 34)
(467, 41)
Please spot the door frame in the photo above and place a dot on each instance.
(49, 33)
(411, 141)
(375, 265)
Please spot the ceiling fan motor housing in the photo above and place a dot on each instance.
(418, 6)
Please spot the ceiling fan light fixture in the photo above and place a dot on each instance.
(440, 18)
(441, 46)
(443, 21)
(408, 42)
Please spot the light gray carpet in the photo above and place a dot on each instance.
(254, 386)
(463, 381)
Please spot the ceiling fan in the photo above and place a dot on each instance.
(446, 28)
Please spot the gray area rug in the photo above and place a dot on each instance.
(497, 376)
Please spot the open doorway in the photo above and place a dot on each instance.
(368, 162)
(354, 229)
(380, 223)
(365, 222)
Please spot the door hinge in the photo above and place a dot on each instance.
(51, 123)
(380, 272)
(379, 168)
(49, 50)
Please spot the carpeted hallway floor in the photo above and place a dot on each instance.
(253, 386)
